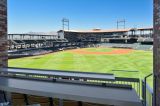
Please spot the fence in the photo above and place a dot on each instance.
(133, 82)
(147, 92)
(120, 82)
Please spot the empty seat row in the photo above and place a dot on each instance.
(20, 100)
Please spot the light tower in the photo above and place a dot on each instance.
(65, 23)
(121, 24)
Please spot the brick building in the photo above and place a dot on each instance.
(3, 33)
(3, 37)
(157, 51)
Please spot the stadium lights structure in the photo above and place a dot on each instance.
(121, 23)
(65, 23)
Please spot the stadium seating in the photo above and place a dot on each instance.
(69, 103)
(17, 99)
(135, 46)
(92, 104)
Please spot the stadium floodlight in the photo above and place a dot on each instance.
(121, 23)
(65, 23)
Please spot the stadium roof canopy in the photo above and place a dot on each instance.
(105, 31)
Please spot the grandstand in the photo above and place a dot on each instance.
(27, 52)
(20, 45)
(108, 36)
(145, 40)
(71, 38)
(23, 41)
(136, 46)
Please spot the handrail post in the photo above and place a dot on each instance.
(143, 93)
(145, 83)
(154, 91)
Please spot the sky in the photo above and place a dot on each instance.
(46, 15)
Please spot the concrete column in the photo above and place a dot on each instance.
(3, 40)
(157, 52)
(3, 33)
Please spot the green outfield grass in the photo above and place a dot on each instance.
(137, 64)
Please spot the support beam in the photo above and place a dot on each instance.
(3, 41)
(3, 33)
(157, 52)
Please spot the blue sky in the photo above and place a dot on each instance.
(46, 15)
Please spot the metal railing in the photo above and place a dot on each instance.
(133, 82)
(147, 92)
(118, 81)
(149, 95)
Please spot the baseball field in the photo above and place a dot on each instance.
(121, 62)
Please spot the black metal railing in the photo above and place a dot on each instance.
(147, 92)
(133, 82)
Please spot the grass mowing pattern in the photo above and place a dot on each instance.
(141, 61)
(99, 49)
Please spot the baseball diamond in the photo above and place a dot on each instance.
(121, 62)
